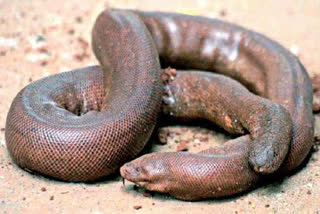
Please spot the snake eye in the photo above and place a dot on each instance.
(138, 169)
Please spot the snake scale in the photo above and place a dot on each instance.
(84, 124)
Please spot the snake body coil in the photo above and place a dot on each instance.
(84, 124)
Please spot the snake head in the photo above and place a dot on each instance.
(149, 171)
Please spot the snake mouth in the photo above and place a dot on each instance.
(138, 183)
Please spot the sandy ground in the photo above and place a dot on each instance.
(42, 37)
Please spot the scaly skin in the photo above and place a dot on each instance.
(264, 67)
(83, 125)
(220, 171)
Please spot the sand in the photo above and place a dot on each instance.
(39, 38)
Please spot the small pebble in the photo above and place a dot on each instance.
(43, 189)
(147, 194)
(43, 50)
(78, 19)
(40, 38)
(163, 136)
(44, 63)
(316, 107)
(83, 42)
(294, 49)
(223, 13)
(71, 31)
(182, 146)
(137, 207)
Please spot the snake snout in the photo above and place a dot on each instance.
(133, 172)
(149, 170)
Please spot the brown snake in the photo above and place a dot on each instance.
(84, 124)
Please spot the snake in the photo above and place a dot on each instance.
(83, 125)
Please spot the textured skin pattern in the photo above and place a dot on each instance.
(44, 132)
(118, 104)
(264, 67)
(219, 171)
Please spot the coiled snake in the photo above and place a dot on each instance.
(84, 124)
